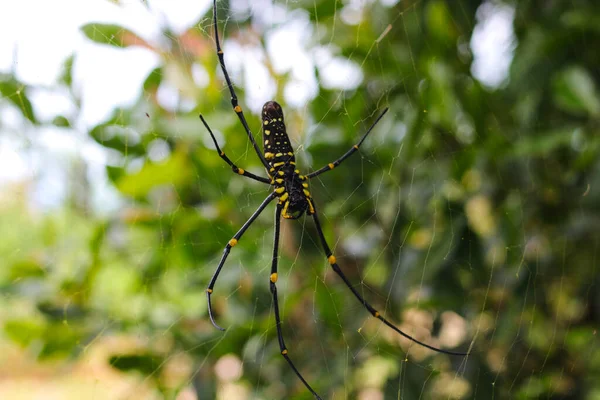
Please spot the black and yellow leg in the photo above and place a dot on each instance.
(234, 100)
(234, 167)
(226, 251)
(273, 287)
(333, 262)
(352, 150)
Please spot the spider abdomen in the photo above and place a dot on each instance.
(290, 186)
(278, 148)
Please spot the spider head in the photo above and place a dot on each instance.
(272, 111)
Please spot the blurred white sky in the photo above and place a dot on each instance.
(36, 36)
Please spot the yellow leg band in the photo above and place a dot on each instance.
(233, 242)
(285, 207)
(274, 277)
(284, 352)
(238, 109)
(331, 259)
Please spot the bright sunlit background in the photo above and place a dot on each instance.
(35, 49)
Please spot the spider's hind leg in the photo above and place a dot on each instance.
(273, 288)
(226, 251)
(333, 262)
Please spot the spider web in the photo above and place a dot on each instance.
(466, 220)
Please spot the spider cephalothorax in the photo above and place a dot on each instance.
(291, 188)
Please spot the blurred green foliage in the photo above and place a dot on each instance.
(476, 210)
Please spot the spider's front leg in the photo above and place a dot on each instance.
(226, 251)
(234, 100)
(273, 287)
(234, 167)
(347, 154)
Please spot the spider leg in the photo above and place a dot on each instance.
(234, 99)
(226, 251)
(234, 167)
(369, 307)
(352, 150)
(273, 287)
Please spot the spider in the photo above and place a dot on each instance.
(290, 188)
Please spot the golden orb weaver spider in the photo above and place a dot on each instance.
(291, 189)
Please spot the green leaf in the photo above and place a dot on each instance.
(174, 171)
(113, 35)
(439, 22)
(26, 269)
(145, 363)
(67, 72)
(543, 143)
(153, 80)
(575, 91)
(59, 339)
(16, 93)
(61, 122)
(118, 137)
(24, 331)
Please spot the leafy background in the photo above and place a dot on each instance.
(471, 216)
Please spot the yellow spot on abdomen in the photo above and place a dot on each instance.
(274, 277)
(269, 155)
(267, 132)
(266, 123)
(284, 197)
(278, 164)
(233, 242)
(331, 259)
(280, 190)
(306, 193)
